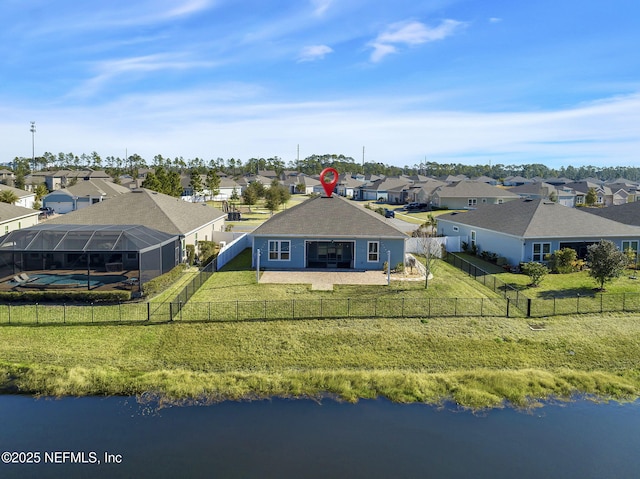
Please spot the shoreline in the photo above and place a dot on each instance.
(476, 362)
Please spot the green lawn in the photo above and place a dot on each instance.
(238, 281)
(559, 285)
(475, 361)
(478, 362)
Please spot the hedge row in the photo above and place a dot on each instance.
(64, 296)
(162, 282)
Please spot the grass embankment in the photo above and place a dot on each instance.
(477, 362)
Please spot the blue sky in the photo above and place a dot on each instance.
(475, 81)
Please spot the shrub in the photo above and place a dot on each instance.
(162, 282)
(385, 266)
(64, 296)
(564, 261)
(400, 267)
(535, 271)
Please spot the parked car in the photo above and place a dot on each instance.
(389, 213)
(418, 207)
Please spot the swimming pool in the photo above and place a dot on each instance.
(58, 281)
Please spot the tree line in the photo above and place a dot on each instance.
(313, 164)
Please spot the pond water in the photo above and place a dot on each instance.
(305, 439)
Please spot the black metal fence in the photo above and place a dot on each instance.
(341, 308)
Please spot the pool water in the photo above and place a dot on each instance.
(74, 279)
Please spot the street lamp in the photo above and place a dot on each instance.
(33, 145)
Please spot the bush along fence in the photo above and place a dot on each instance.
(555, 305)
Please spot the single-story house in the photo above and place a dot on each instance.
(26, 199)
(82, 194)
(527, 230)
(95, 249)
(16, 217)
(385, 189)
(327, 233)
(189, 221)
(470, 194)
(545, 191)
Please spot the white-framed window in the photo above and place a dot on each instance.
(500, 201)
(373, 251)
(472, 202)
(473, 238)
(540, 250)
(279, 250)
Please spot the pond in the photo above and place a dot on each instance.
(109, 437)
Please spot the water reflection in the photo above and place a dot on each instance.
(299, 438)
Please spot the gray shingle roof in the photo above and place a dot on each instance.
(628, 213)
(465, 189)
(148, 208)
(9, 212)
(540, 218)
(333, 217)
(97, 187)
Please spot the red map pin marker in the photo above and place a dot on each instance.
(329, 185)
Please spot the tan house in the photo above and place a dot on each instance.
(16, 217)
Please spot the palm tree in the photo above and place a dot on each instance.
(8, 196)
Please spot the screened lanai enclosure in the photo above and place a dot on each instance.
(56, 256)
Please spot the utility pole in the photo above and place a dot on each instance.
(363, 160)
(33, 145)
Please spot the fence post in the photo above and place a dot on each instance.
(455, 307)
(92, 312)
(481, 307)
(36, 313)
(293, 309)
(349, 304)
(170, 311)
(120, 310)
(601, 302)
(9, 309)
(64, 313)
(148, 311)
(578, 304)
(209, 315)
(375, 308)
(403, 307)
(429, 311)
(180, 306)
(624, 297)
(554, 305)
(508, 302)
(528, 307)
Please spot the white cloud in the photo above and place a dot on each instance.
(495, 20)
(314, 52)
(232, 121)
(110, 69)
(320, 6)
(410, 33)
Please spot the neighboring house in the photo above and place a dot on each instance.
(56, 180)
(291, 182)
(137, 250)
(191, 222)
(6, 176)
(421, 192)
(628, 213)
(347, 185)
(558, 181)
(26, 199)
(327, 233)
(604, 193)
(486, 179)
(545, 191)
(470, 194)
(516, 181)
(379, 190)
(527, 230)
(16, 217)
(83, 194)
